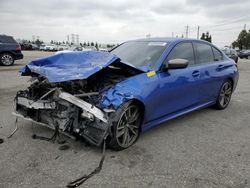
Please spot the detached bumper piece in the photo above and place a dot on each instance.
(72, 115)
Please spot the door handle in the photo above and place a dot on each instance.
(220, 67)
(196, 73)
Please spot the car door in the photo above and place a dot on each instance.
(177, 89)
(210, 63)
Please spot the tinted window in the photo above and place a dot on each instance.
(140, 53)
(6, 39)
(217, 54)
(204, 53)
(182, 51)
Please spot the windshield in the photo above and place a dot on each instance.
(140, 53)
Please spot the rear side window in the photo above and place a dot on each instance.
(6, 39)
(182, 51)
(217, 54)
(204, 53)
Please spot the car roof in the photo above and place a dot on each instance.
(166, 39)
(174, 40)
(7, 39)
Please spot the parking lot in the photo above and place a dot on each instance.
(206, 148)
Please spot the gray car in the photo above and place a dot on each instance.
(231, 53)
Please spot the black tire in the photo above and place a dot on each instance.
(6, 59)
(126, 122)
(224, 96)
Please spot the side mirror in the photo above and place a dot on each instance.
(177, 64)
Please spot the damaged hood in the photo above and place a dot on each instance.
(73, 65)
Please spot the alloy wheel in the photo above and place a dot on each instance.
(7, 59)
(225, 94)
(127, 130)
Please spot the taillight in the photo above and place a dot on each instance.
(18, 47)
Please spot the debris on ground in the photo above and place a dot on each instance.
(1, 140)
(64, 147)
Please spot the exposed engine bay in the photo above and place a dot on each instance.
(72, 106)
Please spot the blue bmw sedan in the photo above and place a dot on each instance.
(114, 96)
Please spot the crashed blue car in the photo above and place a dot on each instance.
(115, 96)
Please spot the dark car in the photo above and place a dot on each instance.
(29, 46)
(231, 53)
(10, 50)
(118, 95)
(244, 54)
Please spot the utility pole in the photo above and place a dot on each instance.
(245, 26)
(198, 32)
(187, 31)
(172, 34)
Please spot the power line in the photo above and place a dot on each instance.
(239, 19)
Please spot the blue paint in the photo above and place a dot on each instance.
(172, 93)
(71, 66)
(165, 95)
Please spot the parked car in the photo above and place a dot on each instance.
(103, 49)
(50, 47)
(244, 54)
(42, 47)
(231, 53)
(114, 97)
(89, 48)
(70, 49)
(10, 50)
(62, 47)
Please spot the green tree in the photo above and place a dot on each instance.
(206, 36)
(38, 42)
(243, 40)
(96, 45)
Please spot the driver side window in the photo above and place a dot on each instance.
(182, 50)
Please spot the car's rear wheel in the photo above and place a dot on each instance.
(126, 123)
(6, 59)
(225, 95)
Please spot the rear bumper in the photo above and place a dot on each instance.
(18, 56)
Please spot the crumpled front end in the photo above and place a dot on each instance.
(72, 106)
(61, 110)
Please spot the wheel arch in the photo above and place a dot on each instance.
(7, 52)
(141, 105)
(231, 80)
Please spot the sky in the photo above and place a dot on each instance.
(115, 21)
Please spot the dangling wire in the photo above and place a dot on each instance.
(82, 179)
(53, 138)
(16, 127)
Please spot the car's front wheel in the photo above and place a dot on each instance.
(225, 95)
(6, 59)
(126, 123)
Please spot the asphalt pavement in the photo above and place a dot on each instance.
(206, 148)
